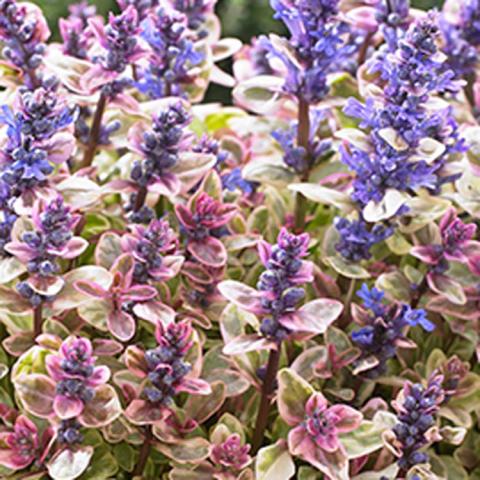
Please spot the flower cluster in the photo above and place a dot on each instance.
(152, 247)
(167, 372)
(384, 330)
(416, 414)
(173, 54)
(408, 145)
(315, 45)
(24, 31)
(76, 376)
(159, 148)
(356, 240)
(279, 282)
(52, 238)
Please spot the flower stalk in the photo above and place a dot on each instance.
(268, 388)
(95, 131)
(303, 136)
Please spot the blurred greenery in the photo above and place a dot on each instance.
(240, 18)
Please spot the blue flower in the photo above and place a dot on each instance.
(356, 239)
(317, 43)
(234, 180)
(372, 299)
(417, 318)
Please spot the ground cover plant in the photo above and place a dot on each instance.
(285, 287)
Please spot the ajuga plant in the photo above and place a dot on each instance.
(284, 287)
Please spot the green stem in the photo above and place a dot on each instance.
(144, 453)
(268, 388)
(95, 132)
(303, 137)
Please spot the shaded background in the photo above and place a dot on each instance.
(241, 18)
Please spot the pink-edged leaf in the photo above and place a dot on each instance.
(18, 343)
(48, 286)
(75, 247)
(195, 386)
(274, 462)
(426, 253)
(203, 407)
(155, 312)
(37, 393)
(21, 250)
(69, 464)
(334, 464)
(65, 407)
(447, 287)
(61, 147)
(210, 252)
(192, 450)
(121, 325)
(105, 347)
(247, 343)
(168, 185)
(100, 375)
(293, 395)
(442, 305)
(349, 418)
(363, 17)
(314, 317)
(139, 293)
(241, 295)
(135, 361)
(185, 216)
(141, 412)
(90, 288)
(102, 409)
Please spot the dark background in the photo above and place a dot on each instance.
(241, 18)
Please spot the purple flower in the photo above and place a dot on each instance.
(24, 31)
(202, 222)
(470, 21)
(278, 284)
(143, 7)
(383, 330)
(165, 372)
(153, 248)
(160, 149)
(173, 55)
(195, 10)
(52, 239)
(356, 239)
(416, 410)
(23, 445)
(231, 454)
(68, 432)
(76, 376)
(315, 44)
(408, 145)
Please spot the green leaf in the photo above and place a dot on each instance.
(102, 466)
(345, 268)
(125, 456)
(293, 393)
(368, 437)
(274, 463)
(324, 195)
